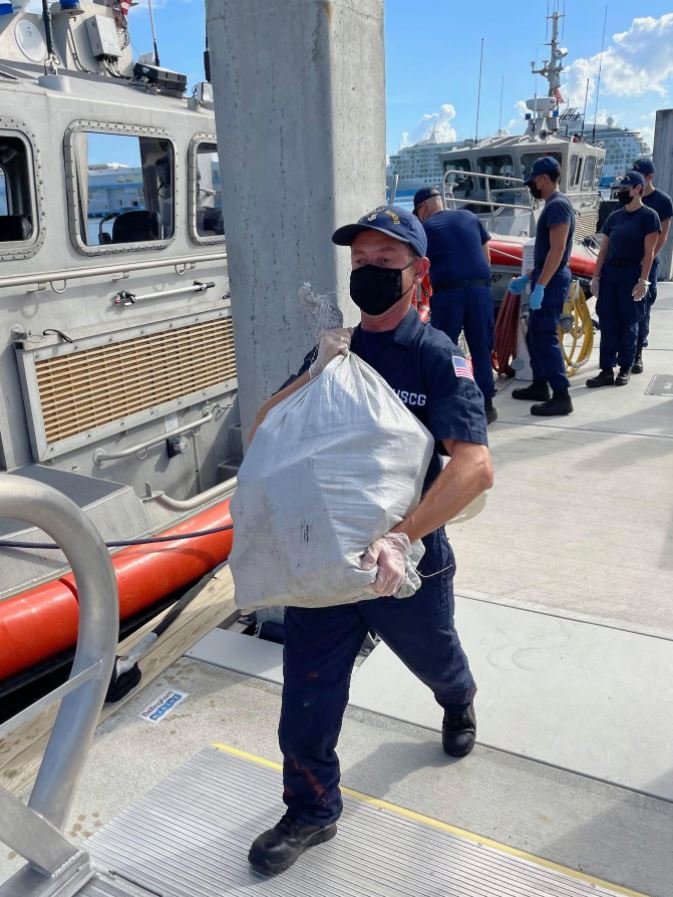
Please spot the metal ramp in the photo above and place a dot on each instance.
(189, 837)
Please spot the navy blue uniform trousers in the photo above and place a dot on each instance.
(619, 316)
(469, 309)
(321, 645)
(546, 358)
(648, 302)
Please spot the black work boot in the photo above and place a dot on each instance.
(278, 848)
(623, 376)
(459, 732)
(605, 378)
(538, 391)
(559, 404)
(637, 366)
(491, 413)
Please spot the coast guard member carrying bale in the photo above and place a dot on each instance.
(433, 380)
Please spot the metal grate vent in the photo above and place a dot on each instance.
(88, 389)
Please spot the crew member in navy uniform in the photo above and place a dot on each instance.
(663, 205)
(549, 281)
(434, 380)
(460, 274)
(621, 279)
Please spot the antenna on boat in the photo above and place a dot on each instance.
(600, 69)
(502, 90)
(584, 114)
(155, 45)
(481, 69)
(51, 62)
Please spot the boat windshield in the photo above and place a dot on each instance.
(502, 166)
(527, 160)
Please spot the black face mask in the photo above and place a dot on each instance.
(535, 192)
(375, 289)
(624, 197)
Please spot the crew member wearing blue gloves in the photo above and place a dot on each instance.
(550, 281)
(663, 205)
(621, 281)
(460, 274)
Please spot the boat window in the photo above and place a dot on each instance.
(588, 181)
(575, 171)
(458, 181)
(502, 166)
(125, 188)
(16, 198)
(206, 193)
(527, 160)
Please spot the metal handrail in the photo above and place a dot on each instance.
(221, 490)
(52, 795)
(491, 203)
(100, 456)
(46, 277)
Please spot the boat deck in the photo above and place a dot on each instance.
(579, 527)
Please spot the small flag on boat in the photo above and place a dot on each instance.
(125, 5)
(462, 367)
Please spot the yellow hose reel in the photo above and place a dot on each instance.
(576, 330)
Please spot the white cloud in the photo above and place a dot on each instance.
(435, 125)
(637, 61)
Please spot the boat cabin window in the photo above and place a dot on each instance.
(502, 166)
(527, 160)
(460, 183)
(206, 212)
(16, 197)
(125, 188)
(575, 171)
(588, 181)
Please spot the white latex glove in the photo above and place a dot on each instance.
(332, 343)
(595, 286)
(640, 291)
(389, 553)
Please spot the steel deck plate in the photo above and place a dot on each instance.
(189, 837)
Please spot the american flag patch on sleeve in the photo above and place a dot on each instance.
(462, 367)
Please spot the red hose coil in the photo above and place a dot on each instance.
(506, 335)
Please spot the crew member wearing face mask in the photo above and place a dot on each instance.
(549, 282)
(460, 274)
(663, 205)
(432, 378)
(622, 279)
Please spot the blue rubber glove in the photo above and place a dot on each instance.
(536, 297)
(518, 284)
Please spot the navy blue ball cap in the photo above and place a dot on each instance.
(644, 166)
(543, 165)
(630, 179)
(425, 193)
(392, 221)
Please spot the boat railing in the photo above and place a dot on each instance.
(490, 202)
(58, 280)
(35, 830)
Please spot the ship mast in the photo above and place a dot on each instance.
(545, 110)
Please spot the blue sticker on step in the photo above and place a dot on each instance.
(162, 706)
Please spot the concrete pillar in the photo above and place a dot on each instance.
(663, 178)
(299, 105)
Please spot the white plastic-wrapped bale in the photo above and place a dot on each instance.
(334, 466)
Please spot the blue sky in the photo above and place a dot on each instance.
(432, 59)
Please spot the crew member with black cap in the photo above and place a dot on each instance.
(621, 279)
(460, 274)
(550, 282)
(663, 205)
(321, 644)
